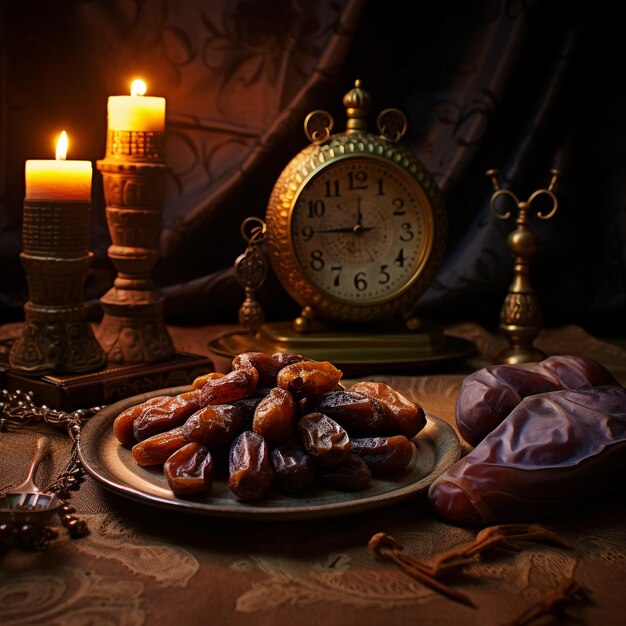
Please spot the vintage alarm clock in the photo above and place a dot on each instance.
(356, 227)
(355, 230)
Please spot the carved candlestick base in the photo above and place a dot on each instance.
(521, 320)
(56, 337)
(133, 329)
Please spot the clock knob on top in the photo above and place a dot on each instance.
(357, 102)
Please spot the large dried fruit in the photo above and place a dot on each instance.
(488, 395)
(406, 417)
(358, 414)
(307, 379)
(275, 417)
(384, 455)
(189, 471)
(553, 450)
(325, 440)
(249, 467)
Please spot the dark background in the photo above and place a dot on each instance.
(519, 86)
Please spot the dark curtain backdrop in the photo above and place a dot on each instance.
(519, 86)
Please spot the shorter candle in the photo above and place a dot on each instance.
(58, 179)
(136, 112)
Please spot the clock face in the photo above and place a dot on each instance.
(360, 229)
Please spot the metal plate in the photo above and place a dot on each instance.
(111, 464)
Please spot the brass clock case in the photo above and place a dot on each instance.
(297, 178)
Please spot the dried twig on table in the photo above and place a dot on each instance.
(504, 536)
(387, 547)
(555, 603)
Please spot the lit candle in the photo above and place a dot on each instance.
(136, 112)
(58, 179)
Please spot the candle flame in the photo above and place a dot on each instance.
(138, 88)
(62, 144)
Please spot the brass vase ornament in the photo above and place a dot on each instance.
(521, 319)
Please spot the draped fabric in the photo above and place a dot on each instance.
(518, 86)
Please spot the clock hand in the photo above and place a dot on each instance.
(359, 214)
(359, 230)
(347, 229)
(354, 229)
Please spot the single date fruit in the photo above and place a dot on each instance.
(307, 379)
(275, 417)
(166, 416)
(406, 417)
(384, 455)
(235, 385)
(265, 364)
(189, 471)
(159, 410)
(324, 439)
(250, 471)
(358, 414)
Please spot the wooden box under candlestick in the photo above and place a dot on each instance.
(106, 386)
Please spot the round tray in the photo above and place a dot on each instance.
(111, 464)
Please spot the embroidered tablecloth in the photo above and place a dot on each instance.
(143, 565)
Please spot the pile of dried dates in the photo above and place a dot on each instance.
(274, 421)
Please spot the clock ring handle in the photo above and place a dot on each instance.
(318, 125)
(392, 124)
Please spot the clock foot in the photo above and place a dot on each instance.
(307, 321)
(414, 323)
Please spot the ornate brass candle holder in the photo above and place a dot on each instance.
(56, 338)
(133, 328)
(521, 319)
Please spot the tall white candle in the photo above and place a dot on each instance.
(58, 179)
(136, 112)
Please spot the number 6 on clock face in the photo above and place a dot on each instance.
(361, 230)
